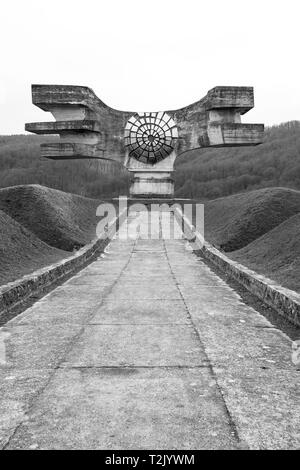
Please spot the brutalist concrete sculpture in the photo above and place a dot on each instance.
(148, 143)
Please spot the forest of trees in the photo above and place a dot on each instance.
(20, 163)
(212, 173)
(201, 174)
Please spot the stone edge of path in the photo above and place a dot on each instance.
(284, 301)
(30, 285)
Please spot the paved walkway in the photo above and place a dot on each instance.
(146, 348)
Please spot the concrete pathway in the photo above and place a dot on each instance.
(146, 348)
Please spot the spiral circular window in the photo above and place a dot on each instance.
(150, 137)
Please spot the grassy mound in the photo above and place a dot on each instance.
(62, 220)
(233, 222)
(276, 254)
(21, 252)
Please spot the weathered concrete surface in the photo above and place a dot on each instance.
(285, 301)
(88, 128)
(82, 118)
(146, 348)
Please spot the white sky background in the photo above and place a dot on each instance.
(150, 55)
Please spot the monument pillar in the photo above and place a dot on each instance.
(151, 184)
(151, 141)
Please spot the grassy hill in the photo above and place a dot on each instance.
(40, 226)
(233, 222)
(21, 252)
(261, 230)
(276, 254)
(201, 174)
(62, 220)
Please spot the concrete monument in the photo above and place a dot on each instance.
(147, 144)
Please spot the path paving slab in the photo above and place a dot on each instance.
(128, 409)
(141, 312)
(136, 345)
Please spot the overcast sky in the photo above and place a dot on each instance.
(149, 56)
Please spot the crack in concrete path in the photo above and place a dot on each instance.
(210, 366)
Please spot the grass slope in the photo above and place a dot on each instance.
(21, 252)
(276, 254)
(62, 220)
(233, 222)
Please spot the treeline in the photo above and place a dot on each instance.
(212, 173)
(20, 163)
(203, 174)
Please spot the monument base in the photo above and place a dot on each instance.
(152, 184)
